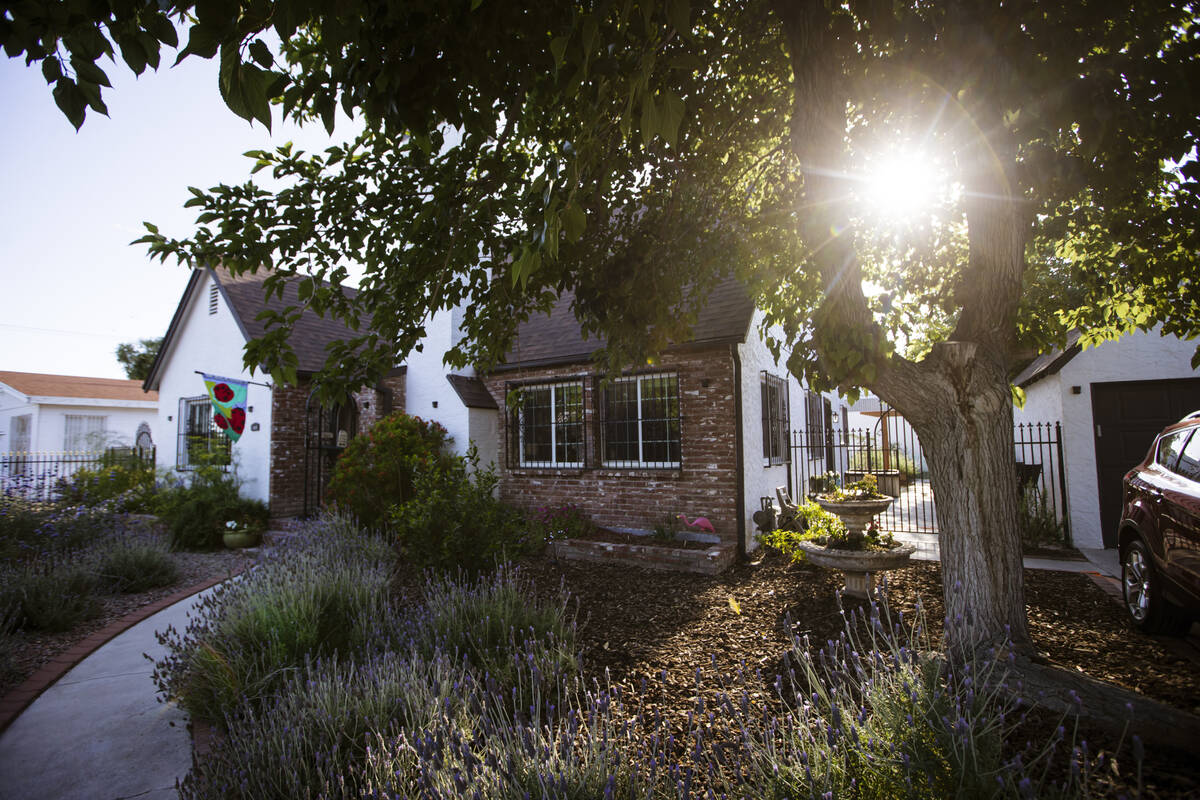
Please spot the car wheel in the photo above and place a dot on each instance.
(1148, 609)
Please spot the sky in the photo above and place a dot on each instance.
(71, 286)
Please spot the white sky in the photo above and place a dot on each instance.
(71, 286)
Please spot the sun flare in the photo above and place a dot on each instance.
(903, 186)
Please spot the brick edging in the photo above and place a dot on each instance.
(20, 698)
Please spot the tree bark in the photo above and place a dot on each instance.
(958, 398)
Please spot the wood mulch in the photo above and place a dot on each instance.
(663, 630)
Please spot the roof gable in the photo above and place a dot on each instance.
(1049, 363)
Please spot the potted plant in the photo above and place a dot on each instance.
(862, 549)
(241, 534)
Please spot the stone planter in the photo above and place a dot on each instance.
(235, 540)
(859, 566)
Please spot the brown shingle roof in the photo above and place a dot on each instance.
(310, 334)
(471, 391)
(1049, 363)
(556, 337)
(40, 385)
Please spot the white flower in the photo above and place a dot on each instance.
(231, 525)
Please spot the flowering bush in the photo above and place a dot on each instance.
(378, 470)
(559, 522)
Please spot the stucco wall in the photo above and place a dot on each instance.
(213, 344)
(1134, 357)
(48, 421)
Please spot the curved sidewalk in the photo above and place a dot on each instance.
(99, 733)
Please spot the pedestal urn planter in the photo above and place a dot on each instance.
(238, 539)
(859, 566)
(856, 515)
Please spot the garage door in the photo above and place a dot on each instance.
(1127, 416)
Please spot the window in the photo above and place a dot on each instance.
(814, 423)
(640, 422)
(776, 419)
(1189, 459)
(547, 426)
(200, 440)
(83, 432)
(20, 433)
(1168, 449)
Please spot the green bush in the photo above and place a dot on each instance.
(454, 521)
(818, 524)
(125, 483)
(1036, 520)
(135, 565)
(49, 598)
(379, 470)
(195, 514)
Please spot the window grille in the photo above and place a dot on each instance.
(814, 423)
(200, 440)
(83, 432)
(776, 419)
(546, 426)
(212, 299)
(640, 422)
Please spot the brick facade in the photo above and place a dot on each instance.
(705, 483)
(288, 432)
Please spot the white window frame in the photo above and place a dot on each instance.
(553, 463)
(641, 462)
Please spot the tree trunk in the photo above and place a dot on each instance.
(959, 402)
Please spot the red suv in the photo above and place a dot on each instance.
(1159, 534)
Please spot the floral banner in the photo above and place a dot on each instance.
(228, 396)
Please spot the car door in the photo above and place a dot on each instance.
(1181, 517)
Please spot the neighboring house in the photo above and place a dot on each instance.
(703, 431)
(1112, 399)
(66, 413)
(286, 452)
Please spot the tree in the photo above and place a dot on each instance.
(137, 359)
(634, 151)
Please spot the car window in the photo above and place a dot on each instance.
(1169, 447)
(1189, 460)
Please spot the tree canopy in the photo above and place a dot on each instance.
(137, 359)
(634, 152)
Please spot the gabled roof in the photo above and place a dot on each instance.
(36, 384)
(1049, 363)
(246, 299)
(556, 338)
(471, 392)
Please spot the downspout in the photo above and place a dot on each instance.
(743, 545)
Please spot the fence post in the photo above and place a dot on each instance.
(1062, 484)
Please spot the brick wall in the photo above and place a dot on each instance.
(705, 484)
(287, 450)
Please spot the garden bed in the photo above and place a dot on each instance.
(612, 547)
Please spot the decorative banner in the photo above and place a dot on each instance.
(228, 396)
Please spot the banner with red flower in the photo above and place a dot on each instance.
(228, 396)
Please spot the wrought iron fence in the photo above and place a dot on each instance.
(892, 453)
(36, 476)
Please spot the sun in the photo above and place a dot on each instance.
(902, 186)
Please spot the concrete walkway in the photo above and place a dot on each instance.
(99, 733)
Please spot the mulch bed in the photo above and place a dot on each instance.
(649, 628)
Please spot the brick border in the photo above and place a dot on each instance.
(20, 698)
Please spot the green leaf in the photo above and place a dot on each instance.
(51, 69)
(201, 42)
(133, 53)
(650, 119)
(574, 221)
(70, 101)
(558, 47)
(678, 12)
(261, 53)
(672, 115)
(161, 28)
(88, 71)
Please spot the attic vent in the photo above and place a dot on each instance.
(212, 300)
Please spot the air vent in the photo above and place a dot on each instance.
(212, 299)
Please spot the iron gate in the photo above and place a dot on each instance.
(891, 451)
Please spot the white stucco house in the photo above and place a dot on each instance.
(67, 413)
(1112, 400)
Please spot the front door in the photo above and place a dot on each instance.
(1127, 415)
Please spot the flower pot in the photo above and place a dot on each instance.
(856, 515)
(235, 540)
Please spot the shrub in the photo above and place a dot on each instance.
(379, 470)
(49, 597)
(135, 564)
(550, 523)
(317, 597)
(1037, 521)
(454, 521)
(817, 523)
(196, 513)
(123, 483)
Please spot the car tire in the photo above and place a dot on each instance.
(1141, 590)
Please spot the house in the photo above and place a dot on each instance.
(703, 431)
(286, 452)
(1112, 399)
(68, 413)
